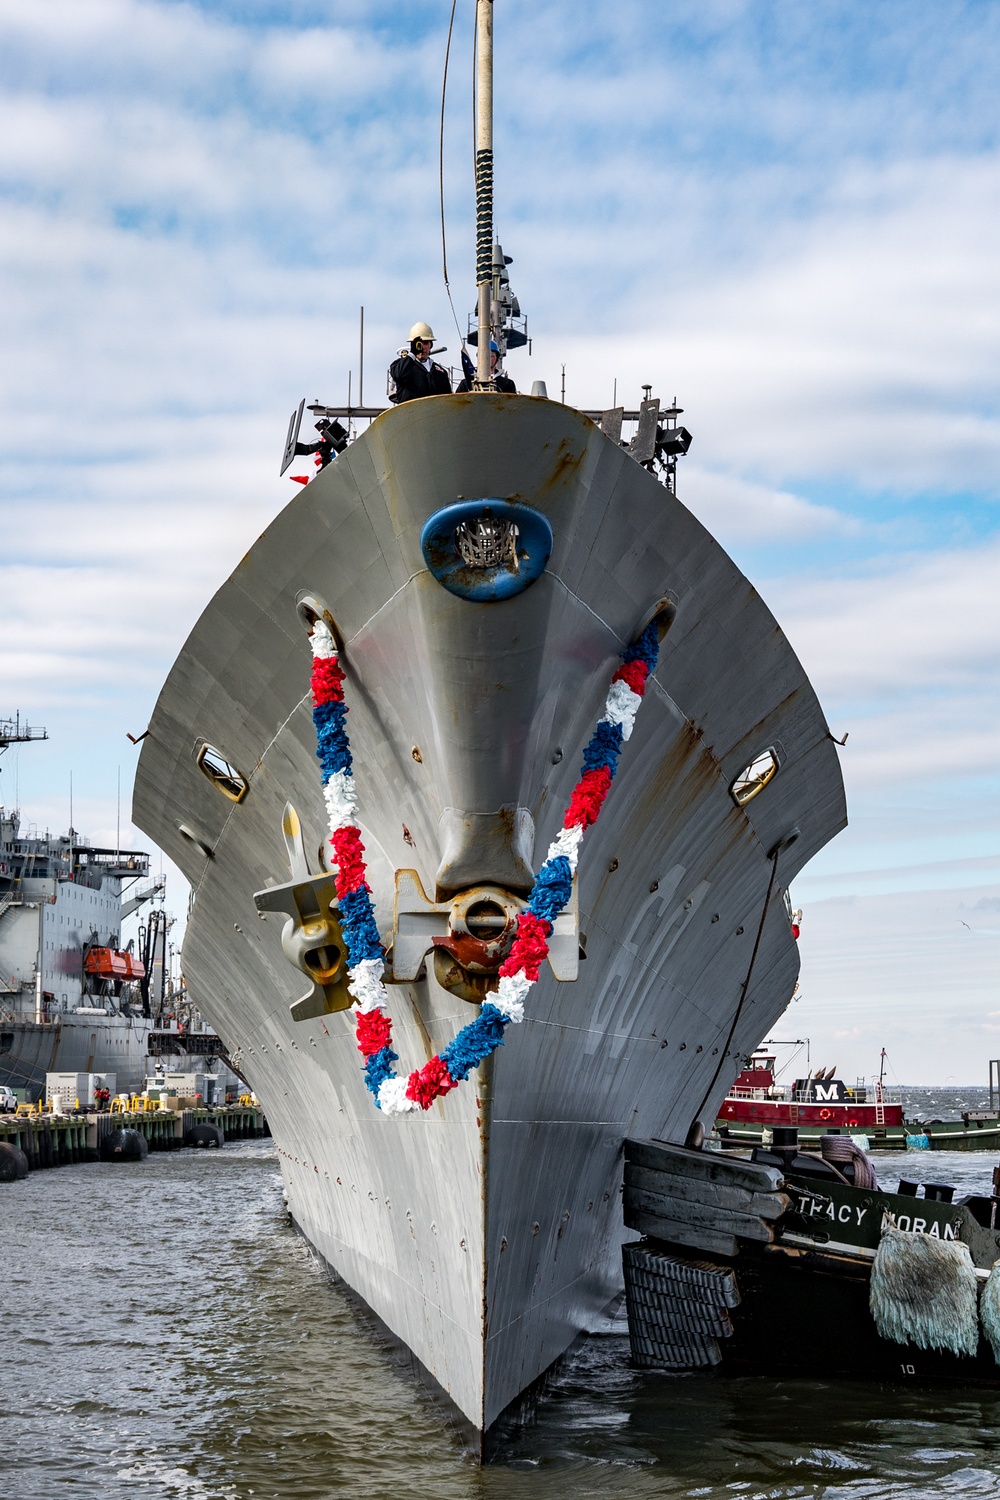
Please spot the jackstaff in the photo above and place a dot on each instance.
(484, 188)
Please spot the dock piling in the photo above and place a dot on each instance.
(58, 1140)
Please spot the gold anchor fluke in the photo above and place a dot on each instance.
(311, 939)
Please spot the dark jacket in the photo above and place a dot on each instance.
(412, 380)
(502, 382)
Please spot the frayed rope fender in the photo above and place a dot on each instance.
(923, 1291)
(989, 1310)
(549, 894)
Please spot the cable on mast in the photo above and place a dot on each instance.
(484, 189)
(444, 242)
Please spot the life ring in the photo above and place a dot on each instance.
(826, 1114)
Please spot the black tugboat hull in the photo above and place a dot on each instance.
(769, 1267)
(808, 1315)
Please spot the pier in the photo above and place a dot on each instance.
(60, 1140)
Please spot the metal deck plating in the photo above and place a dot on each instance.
(486, 1235)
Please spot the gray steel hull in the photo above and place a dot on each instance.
(487, 1233)
(73, 1044)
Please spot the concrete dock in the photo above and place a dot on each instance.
(57, 1140)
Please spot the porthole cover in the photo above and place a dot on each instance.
(222, 773)
(486, 550)
(762, 769)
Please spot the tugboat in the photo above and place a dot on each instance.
(820, 1104)
(749, 1263)
(816, 1105)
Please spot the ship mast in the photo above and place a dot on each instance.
(13, 732)
(17, 732)
(484, 188)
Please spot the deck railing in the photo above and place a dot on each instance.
(783, 1094)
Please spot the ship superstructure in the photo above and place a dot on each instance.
(70, 995)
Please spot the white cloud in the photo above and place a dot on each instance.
(732, 506)
(857, 344)
(192, 206)
(906, 659)
(924, 622)
(899, 971)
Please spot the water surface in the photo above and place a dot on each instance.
(168, 1334)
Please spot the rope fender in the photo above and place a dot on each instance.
(923, 1292)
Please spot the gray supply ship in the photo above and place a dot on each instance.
(72, 999)
(180, 1042)
(486, 1233)
(70, 996)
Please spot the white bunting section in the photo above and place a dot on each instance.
(322, 641)
(566, 843)
(510, 995)
(341, 799)
(392, 1098)
(365, 984)
(622, 707)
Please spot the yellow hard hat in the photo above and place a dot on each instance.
(421, 331)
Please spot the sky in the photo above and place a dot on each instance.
(786, 214)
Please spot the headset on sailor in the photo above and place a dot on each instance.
(414, 373)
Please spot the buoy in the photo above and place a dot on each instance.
(124, 1145)
(207, 1136)
(13, 1163)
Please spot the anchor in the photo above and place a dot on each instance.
(311, 939)
(470, 936)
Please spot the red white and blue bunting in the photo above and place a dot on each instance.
(398, 1095)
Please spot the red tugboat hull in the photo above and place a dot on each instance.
(816, 1116)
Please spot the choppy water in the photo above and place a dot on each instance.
(167, 1334)
(941, 1103)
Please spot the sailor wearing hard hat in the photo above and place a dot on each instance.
(414, 373)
